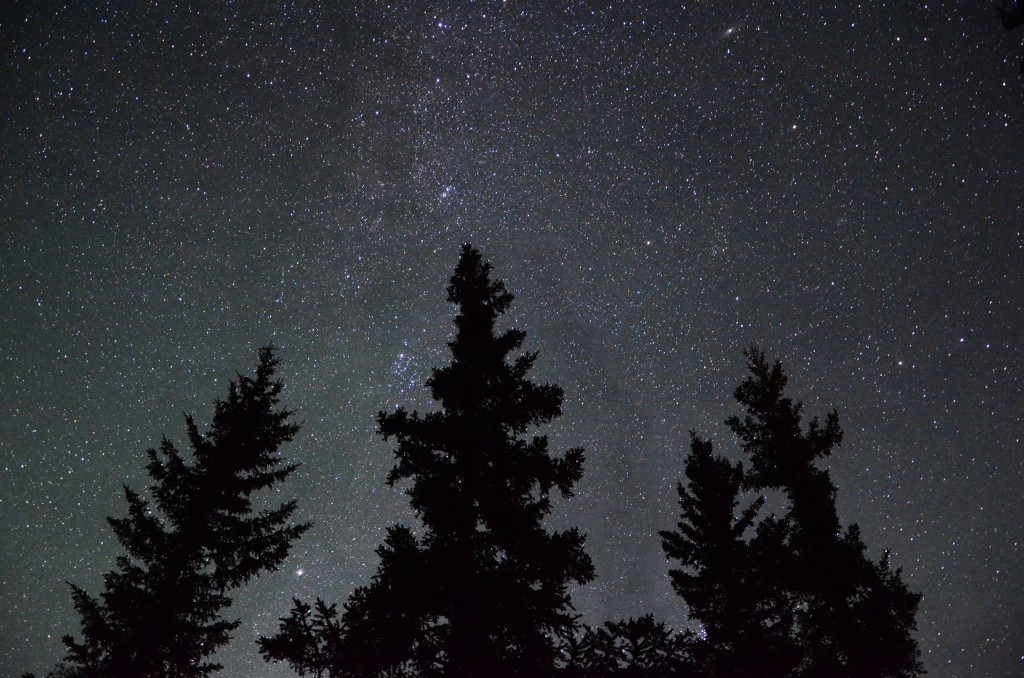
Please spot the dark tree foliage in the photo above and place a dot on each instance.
(1011, 13)
(483, 591)
(198, 537)
(799, 593)
(311, 636)
(729, 582)
(391, 625)
(634, 648)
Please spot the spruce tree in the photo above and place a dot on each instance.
(482, 590)
(853, 617)
(199, 536)
(307, 638)
(725, 576)
(795, 591)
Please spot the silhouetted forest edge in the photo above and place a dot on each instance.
(481, 586)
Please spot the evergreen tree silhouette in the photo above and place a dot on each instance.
(800, 587)
(160, 612)
(388, 628)
(726, 579)
(483, 591)
(854, 617)
(633, 648)
(309, 639)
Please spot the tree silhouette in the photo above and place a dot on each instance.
(800, 588)
(311, 637)
(387, 628)
(633, 648)
(160, 612)
(855, 617)
(729, 582)
(483, 591)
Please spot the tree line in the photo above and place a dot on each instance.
(481, 586)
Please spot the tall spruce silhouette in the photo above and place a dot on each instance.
(483, 589)
(161, 610)
(801, 587)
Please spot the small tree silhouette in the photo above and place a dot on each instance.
(633, 648)
(728, 581)
(307, 639)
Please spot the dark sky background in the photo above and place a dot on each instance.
(661, 184)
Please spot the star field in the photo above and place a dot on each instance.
(660, 184)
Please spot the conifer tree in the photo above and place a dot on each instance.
(199, 536)
(483, 589)
(308, 638)
(724, 576)
(800, 587)
(631, 648)
(853, 617)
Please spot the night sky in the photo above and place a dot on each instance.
(660, 184)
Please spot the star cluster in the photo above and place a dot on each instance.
(660, 184)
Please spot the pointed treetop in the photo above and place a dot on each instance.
(471, 284)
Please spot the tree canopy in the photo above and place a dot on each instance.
(196, 538)
(482, 588)
(480, 584)
(797, 590)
